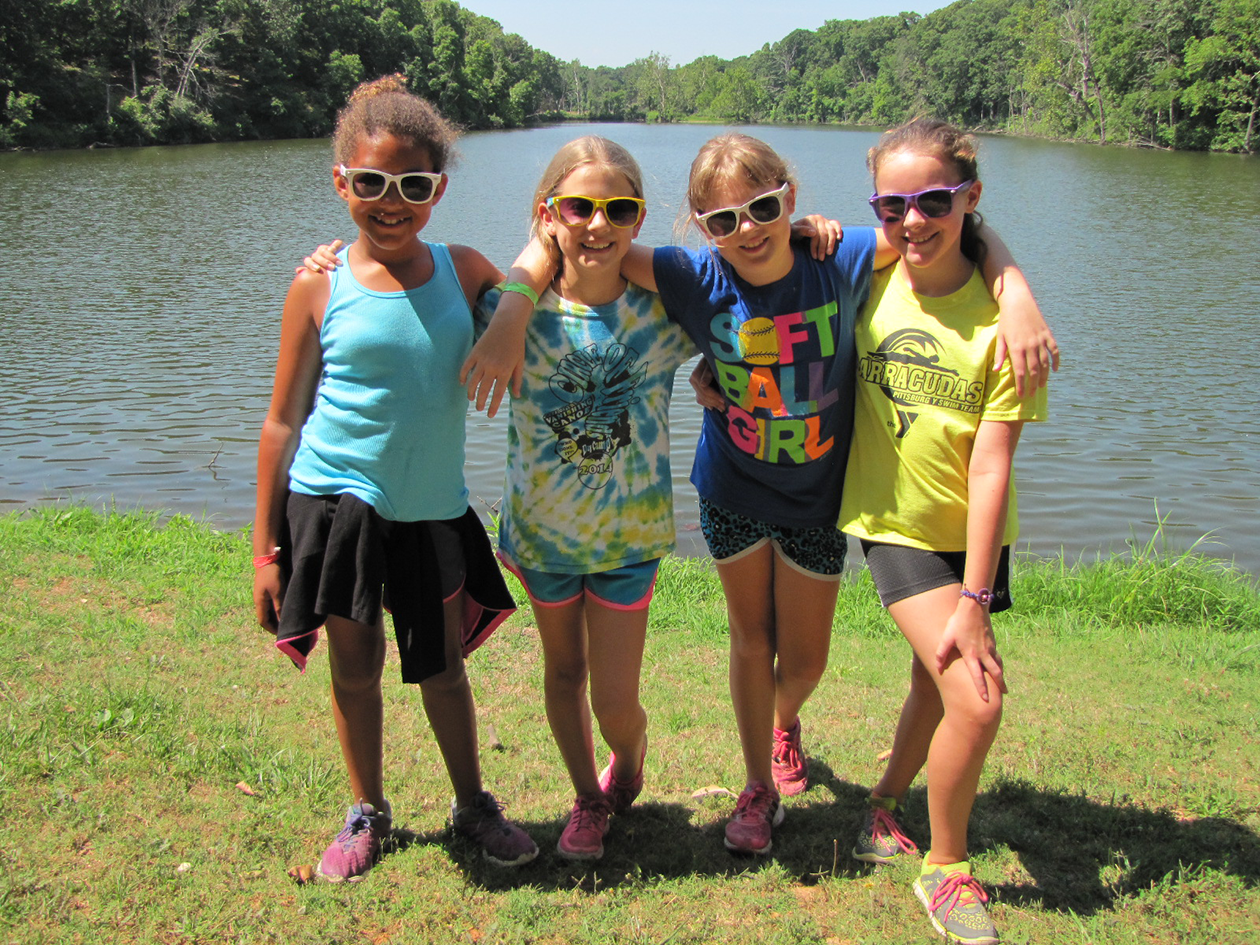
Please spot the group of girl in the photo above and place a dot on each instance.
(362, 501)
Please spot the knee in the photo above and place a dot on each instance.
(975, 713)
(751, 641)
(359, 669)
(565, 676)
(356, 677)
(617, 710)
(450, 679)
(802, 671)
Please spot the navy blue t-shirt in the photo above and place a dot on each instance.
(783, 356)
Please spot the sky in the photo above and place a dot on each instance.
(617, 32)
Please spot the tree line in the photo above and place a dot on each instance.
(1158, 73)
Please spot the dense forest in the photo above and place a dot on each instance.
(1158, 73)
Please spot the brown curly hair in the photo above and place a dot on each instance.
(387, 106)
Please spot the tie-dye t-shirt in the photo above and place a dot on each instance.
(588, 478)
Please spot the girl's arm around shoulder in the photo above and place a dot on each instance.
(885, 254)
(637, 266)
(1023, 334)
(969, 630)
(498, 358)
(297, 372)
(476, 273)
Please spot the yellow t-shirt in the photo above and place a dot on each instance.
(925, 381)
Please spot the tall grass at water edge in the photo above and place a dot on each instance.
(162, 768)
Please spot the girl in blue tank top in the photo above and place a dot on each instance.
(361, 497)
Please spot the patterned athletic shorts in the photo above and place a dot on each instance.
(819, 551)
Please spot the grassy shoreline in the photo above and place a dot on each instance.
(1121, 802)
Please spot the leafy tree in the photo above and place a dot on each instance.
(1226, 71)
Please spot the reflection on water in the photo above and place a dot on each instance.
(140, 298)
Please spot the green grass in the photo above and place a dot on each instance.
(1121, 802)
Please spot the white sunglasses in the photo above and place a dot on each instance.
(367, 183)
(765, 208)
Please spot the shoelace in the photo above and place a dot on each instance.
(487, 814)
(958, 889)
(586, 810)
(756, 800)
(353, 828)
(491, 808)
(786, 752)
(885, 825)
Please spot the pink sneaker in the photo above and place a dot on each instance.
(622, 793)
(791, 772)
(357, 848)
(756, 812)
(583, 836)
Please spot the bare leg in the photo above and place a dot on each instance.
(749, 587)
(804, 610)
(356, 656)
(448, 703)
(616, 639)
(962, 730)
(920, 715)
(563, 634)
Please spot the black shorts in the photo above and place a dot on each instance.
(902, 572)
(340, 558)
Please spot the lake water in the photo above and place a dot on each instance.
(141, 289)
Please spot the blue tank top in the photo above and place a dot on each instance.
(388, 421)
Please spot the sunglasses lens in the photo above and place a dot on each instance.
(722, 224)
(935, 203)
(417, 189)
(575, 210)
(367, 186)
(890, 208)
(765, 209)
(622, 213)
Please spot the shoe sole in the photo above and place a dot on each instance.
(873, 857)
(779, 815)
(519, 861)
(792, 788)
(332, 878)
(578, 856)
(921, 894)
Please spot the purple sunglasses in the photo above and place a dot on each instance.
(934, 202)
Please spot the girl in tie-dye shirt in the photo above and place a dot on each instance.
(588, 507)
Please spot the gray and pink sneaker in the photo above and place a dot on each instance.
(482, 822)
(357, 848)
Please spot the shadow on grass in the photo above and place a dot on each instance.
(1083, 855)
(675, 840)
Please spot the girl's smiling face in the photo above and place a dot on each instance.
(929, 246)
(390, 224)
(592, 250)
(760, 253)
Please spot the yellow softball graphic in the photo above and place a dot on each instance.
(759, 342)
